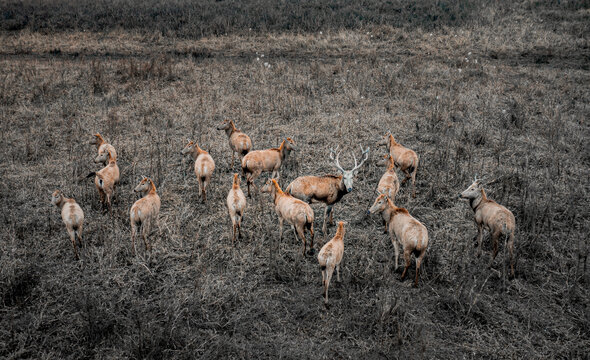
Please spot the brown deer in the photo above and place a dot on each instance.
(102, 147)
(144, 211)
(204, 166)
(106, 179)
(296, 212)
(492, 216)
(328, 189)
(72, 216)
(330, 257)
(239, 142)
(388, 185)
(404, 158)
(257, 161)
(405, 230)
(236, 205)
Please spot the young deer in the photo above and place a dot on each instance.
(330, 257)
(404, 158)
(239, 142)
(294, 211)
(106, 179)
(144, 211)
(72, 216)
(257, 161)
(492, 216)
(405, 230)
(102, 147)
(204, 166)
(388, 185)
(328, 189)
(236, 205)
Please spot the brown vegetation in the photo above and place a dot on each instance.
(501, 92)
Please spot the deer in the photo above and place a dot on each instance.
(404, 158)
(102, 146)
(492, 216)
(106, 179)
(330, 257)
(72, 217)
(144, 211)
(239, 142)
(296, 212)
(388, 184)
(204, 166)
(257, 161)
(404, 230)
(328, 189)
(236, 205)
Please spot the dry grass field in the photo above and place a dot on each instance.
(501, 91)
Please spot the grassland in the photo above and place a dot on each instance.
(501, 91)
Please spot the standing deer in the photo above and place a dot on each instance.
(492, 216)
(328, 189)
(330, 257)
(236, 205)
(239, 142)
(257, 161)
(204, 166)
(404, 158)
(144, 211)
(102, 146)
(72, 216)
(106, 179)
(388, 185)
(405, 230)
(296, 212)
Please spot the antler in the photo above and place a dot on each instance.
(366, 156)
(336, 163)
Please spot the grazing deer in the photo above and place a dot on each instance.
(330, 257)
(72, 216)
(404, 158)
(405, 230)
(492, 216)
(257, 161)
(328, 189)
(106, 179)
(236, 205)
(102, 147)
(204, 166)
(388, 185)
(144, 211)
(239, 142)
(297, 213)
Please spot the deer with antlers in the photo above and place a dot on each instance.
(404, 158)
(492, 216)
(328, 189)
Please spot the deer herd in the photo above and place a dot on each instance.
(293, 204)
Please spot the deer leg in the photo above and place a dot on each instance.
(414, 182)
(133, 234)
(396, 251)
(301, 234)
(280, 228)
(79, 233)
(408, 176)
(511, 250)
(407, 257)
(329, 272)
(324, 227)
(418, 263)
(338, 272)
(73, 239)
(145, 228)
(495, 239)
(479, 238)
(310, 228)
(331, 215)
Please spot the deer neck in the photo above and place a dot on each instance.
(477, 201)
(230, 130)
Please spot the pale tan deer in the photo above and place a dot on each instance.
(405, 230)
(144, 212)
(330, 257)
(296, 212)
(404, 158)
(388, 185)
(328, 189)
(72, 216)
(239, 142)
(102, 146)
(257, 161)
(204, 166)
(106, 179)
(492, 216)
(236, 205)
